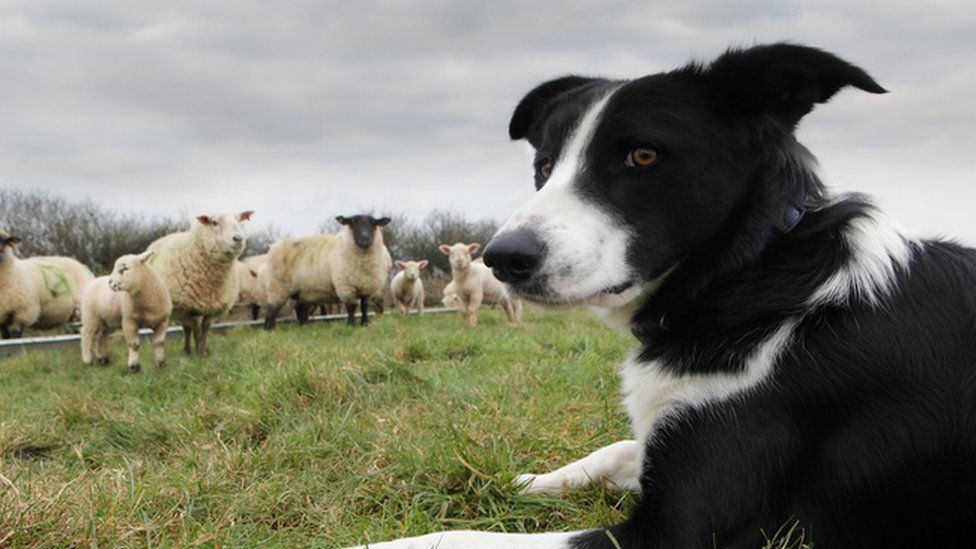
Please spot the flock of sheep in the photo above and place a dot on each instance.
(196, 276)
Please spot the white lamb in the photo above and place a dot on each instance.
(450, 298)
(407, 288)
(132, 297)
(474, 284)
(39, 292)
(197, 267)
(347, 267)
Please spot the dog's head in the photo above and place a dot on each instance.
(635, 177)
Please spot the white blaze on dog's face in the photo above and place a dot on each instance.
(586, 245)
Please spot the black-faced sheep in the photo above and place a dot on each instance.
(349, 267)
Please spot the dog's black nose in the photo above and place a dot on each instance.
(514, 257)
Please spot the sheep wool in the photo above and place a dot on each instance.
(198, 268)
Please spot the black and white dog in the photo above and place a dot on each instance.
(802, 361)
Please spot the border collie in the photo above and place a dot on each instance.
(801, 362)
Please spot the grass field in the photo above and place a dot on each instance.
(317, 436)
(322, 435)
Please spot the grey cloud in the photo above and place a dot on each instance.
(307, 108)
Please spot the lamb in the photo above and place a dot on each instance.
(198, 268)
(132, 297)
(450, 298)
(474, 283)
(252, 293)
(350, 265)
(407, 287)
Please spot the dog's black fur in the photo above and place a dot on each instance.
(865, 433)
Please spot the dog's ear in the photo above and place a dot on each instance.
(531, 106)
(783, 80)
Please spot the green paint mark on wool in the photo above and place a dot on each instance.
(55, 281)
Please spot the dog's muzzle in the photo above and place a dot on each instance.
(516, 256)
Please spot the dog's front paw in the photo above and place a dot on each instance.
(549, 483)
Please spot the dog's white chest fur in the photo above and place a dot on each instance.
(653, 395)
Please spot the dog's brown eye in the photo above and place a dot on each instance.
(641, 157)
(544, 169)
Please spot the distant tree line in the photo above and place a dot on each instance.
(49, 224)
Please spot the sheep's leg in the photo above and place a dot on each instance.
(364, 303)
(518, 310)
(159, 342)
(187, 335)
(380, 306)
(302, 311)
(509, 311)
(473, 305)
(401, 306)
(255, 312)
(131, 332)
(203, 329)
(271, 316)
(88, 332)
(102, 351)
(351, 313)
(5, 328)
(420, 303)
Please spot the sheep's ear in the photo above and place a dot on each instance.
(781, 80)
(474, 247)
(531, 108)
(383, 221)
(13, 240)
(253, 273)
(205, 219)
(399, 265)
(342, 220)
(423, 263)
(245, 216)
(445, 249)
(146, 256)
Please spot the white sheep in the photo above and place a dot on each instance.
(19, 305)
(474, 284)
(407, 288)
(198, 268)
(251, 293)
(132, 297)
(39, 292)
(450, 297)
(347, 267)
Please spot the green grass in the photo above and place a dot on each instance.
(317, 436)
(323, 435)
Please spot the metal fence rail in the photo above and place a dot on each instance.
(10, 347)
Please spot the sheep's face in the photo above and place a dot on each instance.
(459, 254)
(411, 269)
(7, 244)
(224, 232)
(450, 298)
(363, 228)
(128, 273)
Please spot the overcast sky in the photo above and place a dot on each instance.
(307, 109)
